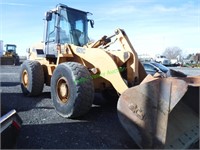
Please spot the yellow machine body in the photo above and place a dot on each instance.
(156, 112)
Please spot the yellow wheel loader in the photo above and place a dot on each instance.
(10, 57)
(156, 112)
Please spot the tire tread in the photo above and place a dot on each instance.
(37, 77)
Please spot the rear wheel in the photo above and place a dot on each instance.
(72, 90)
(31, 78)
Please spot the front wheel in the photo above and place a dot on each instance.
(72, 90)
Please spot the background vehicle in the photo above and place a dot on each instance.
(10, 57)
(153, 67)
(163, 60)
(75, 69)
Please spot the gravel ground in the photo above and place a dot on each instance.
(44, 128)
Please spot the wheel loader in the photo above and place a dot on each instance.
(156, 112)
(10, 57)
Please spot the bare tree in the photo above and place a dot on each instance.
(172, 52)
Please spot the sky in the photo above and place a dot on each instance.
(151, 25)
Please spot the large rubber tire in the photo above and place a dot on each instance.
(72, 90)
(31, 78)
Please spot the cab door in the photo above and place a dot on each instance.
(51, 36)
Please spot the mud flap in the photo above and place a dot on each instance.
(155, 116)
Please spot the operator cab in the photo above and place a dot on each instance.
(11, 48)
(65, 25)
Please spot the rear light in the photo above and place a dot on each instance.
(16, 125)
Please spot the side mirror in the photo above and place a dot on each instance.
(48, 16)
(92, 23)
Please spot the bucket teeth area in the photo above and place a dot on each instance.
(153, 113)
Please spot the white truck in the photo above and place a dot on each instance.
(163, 60)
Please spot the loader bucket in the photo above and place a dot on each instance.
(162, 113)
(7, 61)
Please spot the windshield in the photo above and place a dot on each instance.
(11, 48)
(161, 67)
(73, 27)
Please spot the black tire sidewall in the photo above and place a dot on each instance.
(35, 78)
(64, 108)
(26, 90)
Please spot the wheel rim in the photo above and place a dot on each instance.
(62, 90)
(25, 78)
